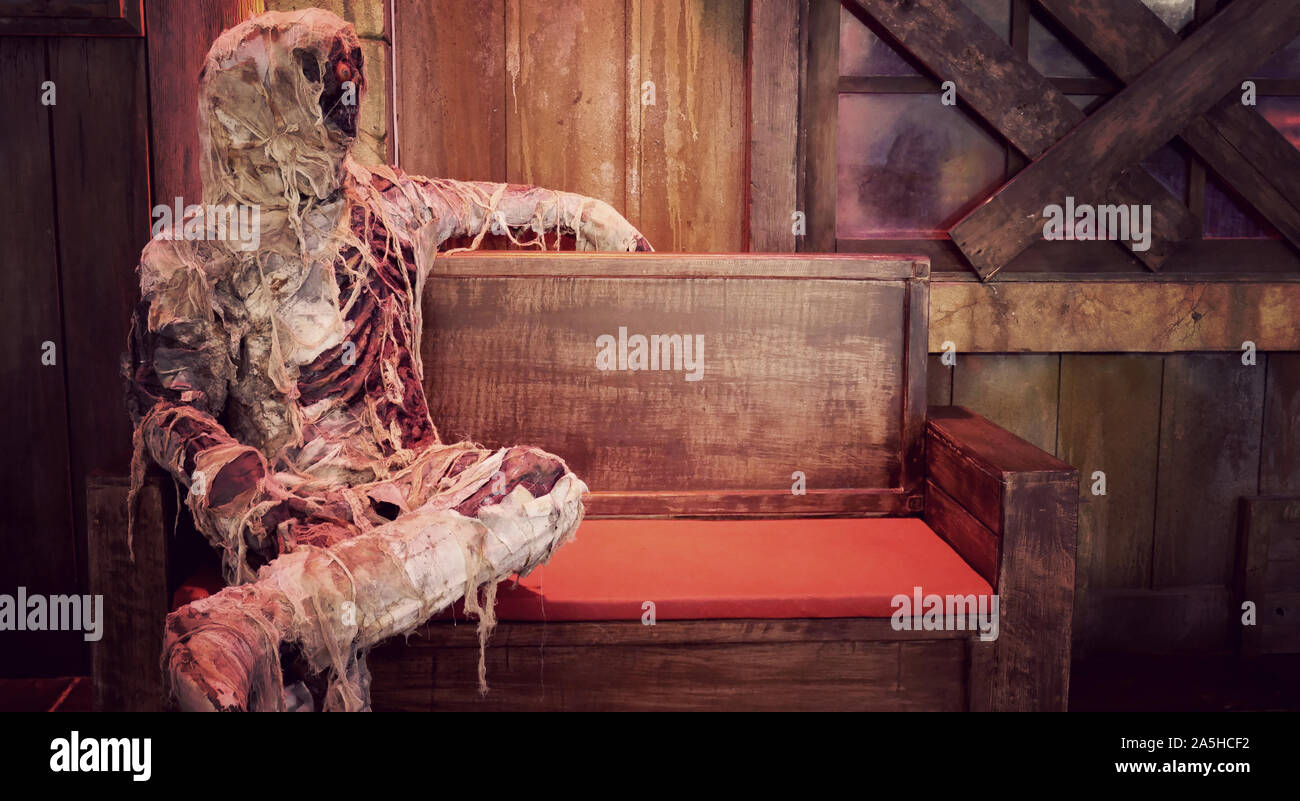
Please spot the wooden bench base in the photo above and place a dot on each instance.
(721, 665)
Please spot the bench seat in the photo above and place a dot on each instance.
(736, 569)
(723, 570)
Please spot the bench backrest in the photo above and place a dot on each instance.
(810, 365)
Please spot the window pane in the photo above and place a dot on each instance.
(863, 54)
(1225, 217)
(908, 163)
(1283, 113)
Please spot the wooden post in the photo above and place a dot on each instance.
(125, 661)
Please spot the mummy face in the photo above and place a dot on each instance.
(279, 100)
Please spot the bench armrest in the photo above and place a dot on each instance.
(1011, 510)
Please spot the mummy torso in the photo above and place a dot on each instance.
(343, 324)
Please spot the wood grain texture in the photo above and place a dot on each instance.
(976, 543)
(452, 89)
(1134, 123)
(178, 41)
(1029, 499)
(1036, 586)
(37, 535)
(818, 111)
(1109, 421)
(972, 459)
(773, 62)
(1015, 391)
(1269, 574)
(100, 146)
(1279, 468)
(1114, 316)
(1210, 423)
(133, 581)
(788, 676)
(445, 633)
(799, 375)
(1002, 87)
(564, 96)
(692, 157)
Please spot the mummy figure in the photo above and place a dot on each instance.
(281, 385)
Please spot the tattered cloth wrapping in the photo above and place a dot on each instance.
(278, 378)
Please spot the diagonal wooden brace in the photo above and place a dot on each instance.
(1235, 141)
(1184, 84)
(1019, 103)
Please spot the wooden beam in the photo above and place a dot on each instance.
(1235, 141)
(1104, 314)
(1024, 107)
(1141, 118)
(818, 113)
(773, 52)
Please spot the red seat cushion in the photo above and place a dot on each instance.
(702, 569)
(708, 569)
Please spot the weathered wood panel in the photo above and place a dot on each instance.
(772, 52)
(692, 158)
(1109, 422)
(518, 634)
(1279, 469)
(792, 676)
(1149, 316)
(565, 95)
(976, 543)
(1029, 499)
(1016, 391)
(452, 89)
(36, 535)
(99, 140)
(132, 577)
(1210, 421)
(1269, 574)
(1171, 620)
(797, 375)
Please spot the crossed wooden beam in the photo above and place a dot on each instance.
(1174, 87)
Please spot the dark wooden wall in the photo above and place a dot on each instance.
(76, 205)
(1180, 437)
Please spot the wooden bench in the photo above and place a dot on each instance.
(763, 597)
(763, 516)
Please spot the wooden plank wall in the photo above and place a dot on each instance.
(550, 92)
(81, 216)
(1180, 438)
